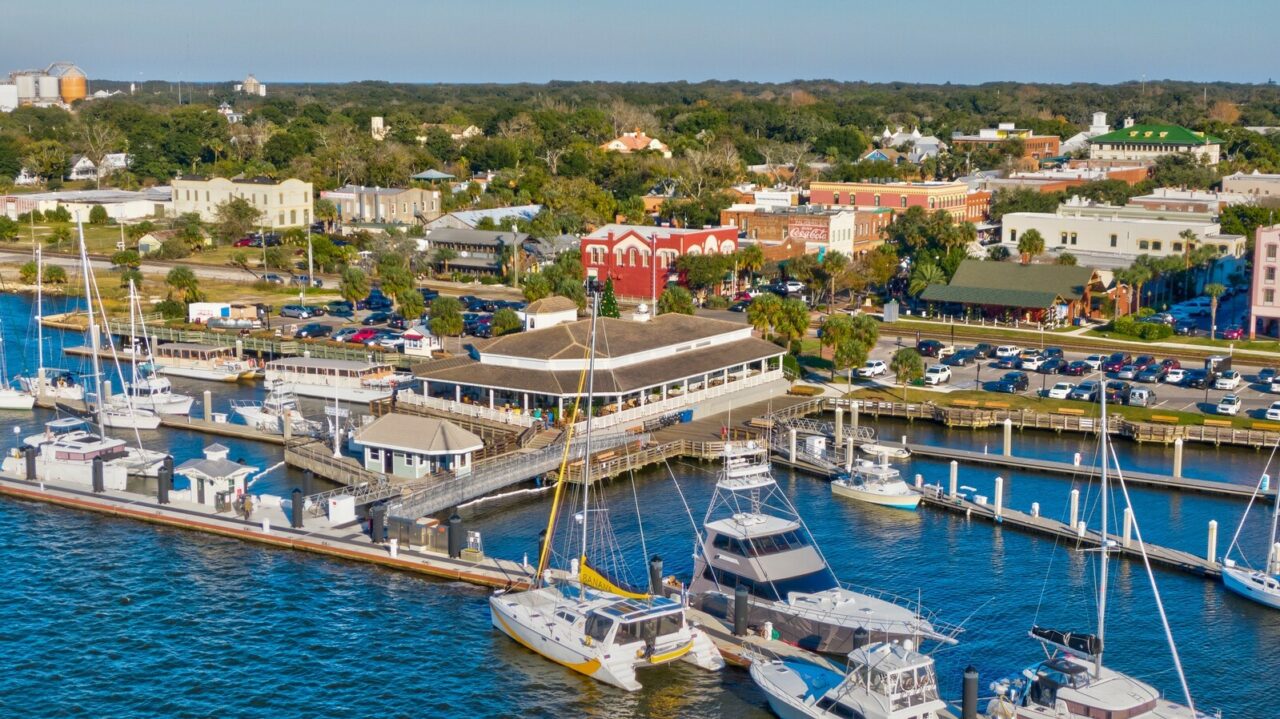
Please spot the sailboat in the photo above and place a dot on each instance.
(61, 385)
(147, 390)
(1072, 682)
(581, 619)
(1259, 585)
(120, 411)
(754, 536)
(11, 398)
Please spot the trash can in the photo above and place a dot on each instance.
(686, 415)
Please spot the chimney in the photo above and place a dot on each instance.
(1128, 122)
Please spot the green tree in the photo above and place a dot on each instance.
(535, 287)
(98, 215)
(234, 219)
(505, 321)
(276, 258)
(54, 275)
(675, 299)
(130, 274)
(609, 301)
(446, 316)
(763, 312)
(908, 366)
(443, 256)
(59, 234)
(9, 229)
(792, 321)
(126, 258)
(353, 285)
(326, 212)
(173, 248)
(183, 280)
(850, 340)
(1066, 258)
(137, 230)
(1214, 290)
(240, 259)
(410, 303)
(925, 274)
(751, 260)
(833, 266)
(27, 272)
(1030, 244)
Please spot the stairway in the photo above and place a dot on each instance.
(543, 439)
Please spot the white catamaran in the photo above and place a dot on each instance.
(582, 620)
(1259, 585)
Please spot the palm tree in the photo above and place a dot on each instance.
(1139, 275)
(751, 260)
(1214, 290)
(792, 320)
(443, 255)
(326, 212)
(925, 274)
(908, 366)
(183, 280)
(1030, 244)
(763, 311)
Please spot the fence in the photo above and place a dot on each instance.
(635, 415)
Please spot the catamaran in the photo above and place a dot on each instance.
(755, 537)
(1072, 683)
(585, 621)
(877, 484)
(61, 385)
(1259, 585)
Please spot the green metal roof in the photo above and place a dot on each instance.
(1012, 284)
(996, 298)
(1157, 135)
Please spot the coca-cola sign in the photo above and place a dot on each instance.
(808, 230)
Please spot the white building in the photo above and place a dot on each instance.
(1080, 141)
(215, 480)
(8, 97)
(1110, 236)
(419, 342)
(1148, 143)
(82, 168)
(251, 86)
(917, 146)
(549, 312)
(1254, 183)
(121, 205)
(283, 204)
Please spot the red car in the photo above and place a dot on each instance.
(1115, 361)
(1233, 333)
(246, 242)
(364, 335)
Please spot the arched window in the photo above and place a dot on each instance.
(877, 200)
(903, 200)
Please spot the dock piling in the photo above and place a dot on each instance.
(999, 495)
(848, 457)
(853, 416)
(266, 525)
(919, 480)
(969, 697)
(376, 528)
(839, 426)
(955, 477)
(295, 508)
(740, 610)
(1080, 529)
(655, 575)
(162, 483)
(29, 454)
(1212, 553)
(1177, 457)
(1126, 539)
(455, 536)
(1035, 509)
(1008, 437)
(1075, 506)
(208, 406)
(98, 486)
(791, 448)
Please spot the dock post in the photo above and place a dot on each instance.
(306, 482)
(740, 607)
(1008, 437)
(853, 416)
(376, 528)
(266, 525)
(295, 508)
(1212, 554)
(108, 389)
(1080, 529)
(791, 453)
(29, 454)
(163, 478)
(1035, 509)
(98, 486)
(286, 429)
(955, 478)
(208, 406)
(919, 480)
(455, 536)
(1127, 538)
(848, 456)
(1177, 457)
(969, 697)
(655, 575)
(393, 547)
(1075, 506)
(999, 495)
(839, 425)
(239, 349)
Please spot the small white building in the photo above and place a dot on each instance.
(214, 479)
(82, 168)
(419, 342)
(549, 312)
(411, 447)
(1255, 183)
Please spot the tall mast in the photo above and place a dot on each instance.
(39, 322)
(1273, 557)
(133, 339)
(1102, 585)
(586, 452)
(93, 328)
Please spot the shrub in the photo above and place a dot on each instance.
(716, 302)
(171, 309)
(98, 215)
(490, 280)
(790, 366)
(804, 390)
(174, 248)
(1131, 327)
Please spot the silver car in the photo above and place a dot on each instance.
(1128, 371)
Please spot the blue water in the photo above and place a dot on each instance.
(111, 618)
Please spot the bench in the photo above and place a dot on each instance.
(1265, 426)
(1168, 419)
(965, 403)
(1217, 423)
(1070, 411)
(996, 405)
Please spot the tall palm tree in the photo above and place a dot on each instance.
(751, 260)
(1030, 244)
(792, 320)
(1214, 290)
(833, 263)
(925, 274)
(763, 311)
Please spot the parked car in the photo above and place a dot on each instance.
(1078, 368)
(1115, 361)
(392, 342)
(1195, 378)
(1086, 391)
(363, 335)
(1051, 352)
(1267, 375)
(1273, 412)
(791, 286)
(1061, 390)
(937, 374)
(428, 295)
(1030, 352)
(376, 301)
(1128, 371)
(963, 358)
(1095, 361)
(397, 322)
(1177, 375)
(1117, 392)
(873, 368)
(1008, 351)
(248, 242)
(1154, 373)
(1228, 380)
(1053, 365)
(1013, 382)
(929, 348)
(739, 306)
(1233, 333)
(313, 330)
(984, 350)
(376, 318)
(1144, 361)
(301, 312)
(1031, 362)
(273, 278)
(1009, 362)
(1170, 363)
(1141, 397)
(340, 308)
(1185, 328)
(345, 334)
(1229, 405)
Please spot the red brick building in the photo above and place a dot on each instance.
(949, 196)
(625, 254)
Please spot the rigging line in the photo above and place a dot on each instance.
(115, 358)
(1240, 525)
(1155, 590)
(1057, 541)
(644, 548)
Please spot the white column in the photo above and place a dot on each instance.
(1008, 437)
(1075, 506)
(1177, 457)
(457, 393)
(1127, 538)
(1212, 553)
(999, 496)
(955, 477)
(490, 398)
(839, 425)
(524, 402)
(792, 451)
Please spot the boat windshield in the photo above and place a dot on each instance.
(777, 590)
(761, 546)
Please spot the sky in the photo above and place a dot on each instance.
(958, 41)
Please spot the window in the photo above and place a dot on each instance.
(1269, 274)
(1271, 252)
(903, 200)
(1144, 245)
(1177, 247)
(1063, 238)
(1013, 235)
(1114, 238)
(282, 198)
(877, 200)
(1073, 238)
(1269, 297)
(835, 198)
(1155, 245)
(932, 203)
(281, 216)
(293, 217)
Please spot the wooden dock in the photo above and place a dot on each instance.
(1068, 536)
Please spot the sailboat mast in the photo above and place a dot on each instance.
(1102, 584)
(586, 451)
(39, 322)
(1273, 556)
(133, 339)
(93, 328)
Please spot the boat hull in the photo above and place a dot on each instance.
(114, 475)
(345, 394)
(210, 375)
(13, 399)
(1240, 581)
(585, 660)
(908, 501)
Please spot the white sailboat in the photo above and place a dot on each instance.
(1072, 682)
(61, 385)
(124, 414)
(584, 621)
(1259, 585)
(147, 390)
(877, 484)
(11, 398)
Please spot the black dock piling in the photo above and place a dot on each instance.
(164, 481)
(29, 453)
(98, 485)
(969, 699)
(455, 536)
(655, 575)
(295, 507)
(376, 526)
(740, 606)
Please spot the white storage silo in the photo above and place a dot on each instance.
(8, 98)
(47, 89)
(26, 87)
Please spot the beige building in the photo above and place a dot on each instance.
(1255, 183)
(1148, 143)
(283, 204)
(385, 205)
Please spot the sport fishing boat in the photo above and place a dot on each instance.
(885, 450)
(885, 680)
(208, 362)
(1259, 585)
(877, 484)
(583, 620)
(270, 415)
(1071, 682)
(754, 536)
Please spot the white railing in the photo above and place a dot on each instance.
(505, 416)
(679, 402)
